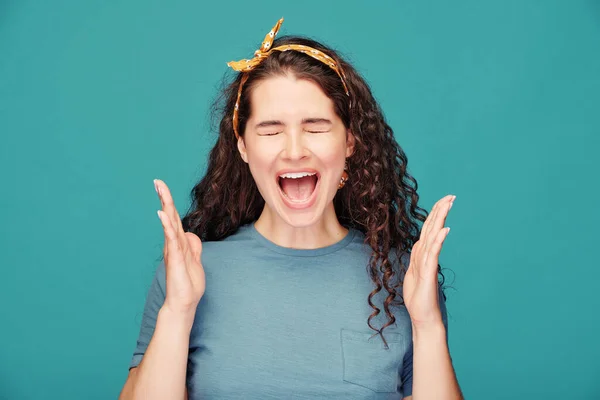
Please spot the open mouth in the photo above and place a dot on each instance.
(298, 187)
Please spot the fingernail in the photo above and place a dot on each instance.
(157, 188)
(158, 213)
(448, 230)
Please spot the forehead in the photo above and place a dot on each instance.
(287, 96)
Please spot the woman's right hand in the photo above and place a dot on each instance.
(185, 278)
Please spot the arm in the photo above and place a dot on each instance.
(433, 376)
(161, 373)
(160, 359)
(427, 356)
(432, 359)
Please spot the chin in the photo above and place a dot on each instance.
(300, 219)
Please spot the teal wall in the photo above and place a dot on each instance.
(495, 101)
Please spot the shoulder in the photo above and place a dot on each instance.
(231, 247)
(395, 256)
(242, 234)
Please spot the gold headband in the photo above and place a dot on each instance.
(264, 51)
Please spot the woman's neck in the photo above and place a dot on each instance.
(325, 232)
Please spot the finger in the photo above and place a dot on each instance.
(426, 224)
(169, 207)
(438, 219)
(429, 266)
(430, 217)
(413, 258)
(426, 230)
(172, 247)
(166, 200)
(434, 251)
(173, 256)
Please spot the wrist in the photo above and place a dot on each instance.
(176, 319)
(429, 332)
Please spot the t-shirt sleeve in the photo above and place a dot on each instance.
(406, 374)
(154, 301)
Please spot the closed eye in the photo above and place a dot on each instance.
(269, 134)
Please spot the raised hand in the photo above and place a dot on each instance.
(185, 279)
(420, 290)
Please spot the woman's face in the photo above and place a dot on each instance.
(295, 146)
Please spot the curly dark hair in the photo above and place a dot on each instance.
(380, 199)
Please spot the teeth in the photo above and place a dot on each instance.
(296, 175)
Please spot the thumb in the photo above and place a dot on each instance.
(195, 244)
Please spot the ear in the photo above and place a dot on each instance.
(350, 141)
(242, 149)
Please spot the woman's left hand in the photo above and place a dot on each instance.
(420, 290)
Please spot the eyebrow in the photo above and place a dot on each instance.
(316, 121)
(264, 124)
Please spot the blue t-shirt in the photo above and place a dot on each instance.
(283, 323)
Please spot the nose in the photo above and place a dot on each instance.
(295, 148)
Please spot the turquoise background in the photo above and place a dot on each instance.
(495, 101)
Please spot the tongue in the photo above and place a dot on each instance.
(299, 189)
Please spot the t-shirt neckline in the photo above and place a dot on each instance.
(256, 235)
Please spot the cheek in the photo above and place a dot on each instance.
(334, 160)
(260, 161)
(332, 155)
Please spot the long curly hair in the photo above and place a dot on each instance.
(380, 199)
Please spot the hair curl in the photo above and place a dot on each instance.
(380, 201)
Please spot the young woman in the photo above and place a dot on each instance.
(300, 270)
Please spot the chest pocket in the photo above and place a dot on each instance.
(367, 363)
